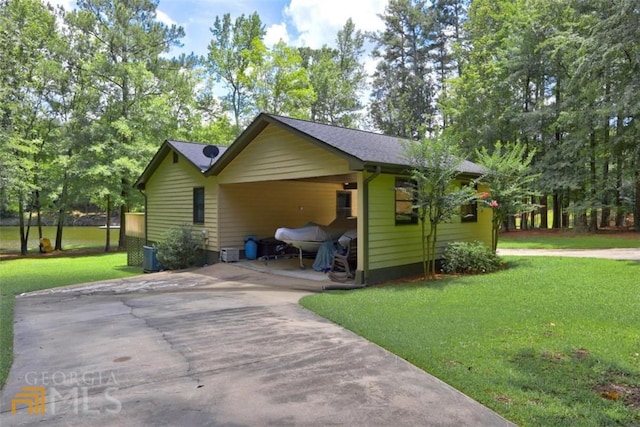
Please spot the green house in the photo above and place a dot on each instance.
(284, 172)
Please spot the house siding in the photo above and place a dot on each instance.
(260, 208)
(170, 200)
(393, 245)
(277, 154)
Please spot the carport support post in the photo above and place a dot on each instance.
(362, 276)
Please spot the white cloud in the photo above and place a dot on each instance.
(165, 18)
(275, 33)
(67, 4)
(318, 21)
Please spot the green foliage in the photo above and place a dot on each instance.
(338, 77)
(402, 100)
(282, 85)
(469, 257)
(533, 342)
(179, 248)
(510, 183)
(435, 165)
(235, 49)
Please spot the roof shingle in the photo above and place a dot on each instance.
(366, 146)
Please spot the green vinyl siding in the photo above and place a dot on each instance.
(277, 154)
(170, 200)
(394, 245)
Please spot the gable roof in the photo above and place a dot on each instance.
(359, 148)
(191, 151)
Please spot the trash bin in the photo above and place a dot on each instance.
(150, 263)
(251, 247)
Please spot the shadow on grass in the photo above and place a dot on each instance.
(567, 385)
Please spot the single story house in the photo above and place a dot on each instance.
(284, 172)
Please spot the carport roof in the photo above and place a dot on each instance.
(356, 146)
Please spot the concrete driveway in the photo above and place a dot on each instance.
(631, 254)
(215, 346)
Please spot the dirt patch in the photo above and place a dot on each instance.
(629, 394)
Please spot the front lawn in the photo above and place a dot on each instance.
(548, 341)
(566, 239)
(32, 274)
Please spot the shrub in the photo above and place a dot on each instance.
(469, 257)
(179, 248)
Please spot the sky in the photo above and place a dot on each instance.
(311, 23)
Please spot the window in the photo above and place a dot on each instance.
(175, 157)
(469, 212)
(343, 204)
(406, 213)
(198, 205)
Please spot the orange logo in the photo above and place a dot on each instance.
(33, 397)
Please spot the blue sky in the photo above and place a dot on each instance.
(298, 22)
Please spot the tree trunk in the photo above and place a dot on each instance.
(636, 211)
(544, 214)
(124, 208)
(565, 215)
(36, 202)
(606, 197)
(592, 226)
(107, 244)
(620, 212)
(24, 236)
(557, 211)
(122, 240)
(61, 212)
(59, 228)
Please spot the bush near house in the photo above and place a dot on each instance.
(470, 258)
(179, 248)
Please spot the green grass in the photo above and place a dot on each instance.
(32, 274)
(567, 240)
(72, 238)
(534, 342)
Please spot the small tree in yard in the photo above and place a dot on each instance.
(509, 177)
(435, 165)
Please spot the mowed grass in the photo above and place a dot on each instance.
(554, 239)
(540, 342)
(31, 274)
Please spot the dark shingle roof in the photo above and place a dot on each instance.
(365, 146)
(192, 151)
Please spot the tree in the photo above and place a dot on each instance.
(446, 37)
(234, 51)
(435, 165)
(510, 183)
(338, 78)
(127, 63)
(27, 39)
(402, 100)
(281, 83)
